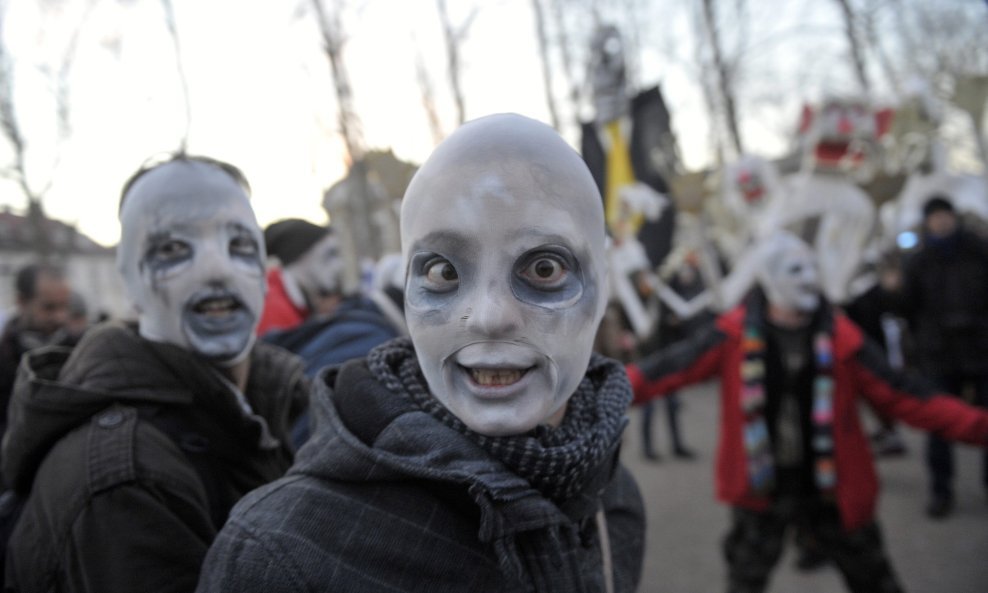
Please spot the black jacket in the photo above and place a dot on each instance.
(945, 301)
(115, 502)
(386, 498)
(652, 151)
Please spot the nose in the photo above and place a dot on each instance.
(214, 262)
(494, 313)
(844, 125)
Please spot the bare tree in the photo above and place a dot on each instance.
(180, 70)
(428, 98)
(11, 127)
(566, 56)
(855, 44)
(454, 36)
(724, 76)
(331, 29)
(540, 30)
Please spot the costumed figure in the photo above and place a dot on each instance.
(753, 197)
(307, 278)
(630, 150)
(336, 324)
(481, 454)
(824, 205)
(792, 452)
(129, 450)
(918, 152)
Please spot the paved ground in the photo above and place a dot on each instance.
(685, 523)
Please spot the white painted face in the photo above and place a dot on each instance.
(608, 74)
(789, 274)
(320, 270)
(503, 242)
(191, 255)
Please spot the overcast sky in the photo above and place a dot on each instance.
(261, 93)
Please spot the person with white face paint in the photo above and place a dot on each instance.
(792, 452)
(480, 454)
(308, 279)
(130, 451)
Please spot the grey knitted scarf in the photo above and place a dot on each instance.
(555, 461)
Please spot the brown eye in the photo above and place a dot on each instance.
(544, 272)
(441, 275)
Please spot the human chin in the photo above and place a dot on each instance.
(807, 302)
(499, 396)
(218, 325)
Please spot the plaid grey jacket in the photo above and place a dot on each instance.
(385, 498)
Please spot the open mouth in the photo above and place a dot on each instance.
(217, 306)
(486, 377)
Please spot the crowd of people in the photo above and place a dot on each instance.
(260, 426)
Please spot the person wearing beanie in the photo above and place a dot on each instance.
(308, 278)
(309, 312)
(945, 302)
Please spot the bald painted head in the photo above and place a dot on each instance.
(504, 245)
(192, 257)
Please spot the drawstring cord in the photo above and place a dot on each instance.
(605, 551)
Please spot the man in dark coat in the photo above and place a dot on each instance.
(43, 298)
(792, 452)
(482, 454)
(131, 450)
(945, 302)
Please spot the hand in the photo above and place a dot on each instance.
(642, 199)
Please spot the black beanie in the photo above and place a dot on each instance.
(290, 238)
(936, 204)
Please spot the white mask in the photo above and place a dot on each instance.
(503, 243)
(319, 272)
(789, 273)
(191, 255)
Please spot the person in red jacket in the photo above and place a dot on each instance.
(792, 451)
(308, 279)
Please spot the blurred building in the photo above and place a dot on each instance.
(91, 267)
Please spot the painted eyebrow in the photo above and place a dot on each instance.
(240, 228)
(449, 240)
(543, 235)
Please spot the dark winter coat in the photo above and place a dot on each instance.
(859, 371)
(13, 345)
(116, 503)
(386, 498)
(945, 301)
(651, 142)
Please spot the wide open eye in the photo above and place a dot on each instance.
(440, 275)
(546, 272)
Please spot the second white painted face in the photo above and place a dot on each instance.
(320, 271)
(790, 277)
(503, 241)
(191, 255)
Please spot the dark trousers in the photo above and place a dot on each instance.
(940, 452)
(672, 415)
(755, 542)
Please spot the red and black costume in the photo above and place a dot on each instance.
(836, 470)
